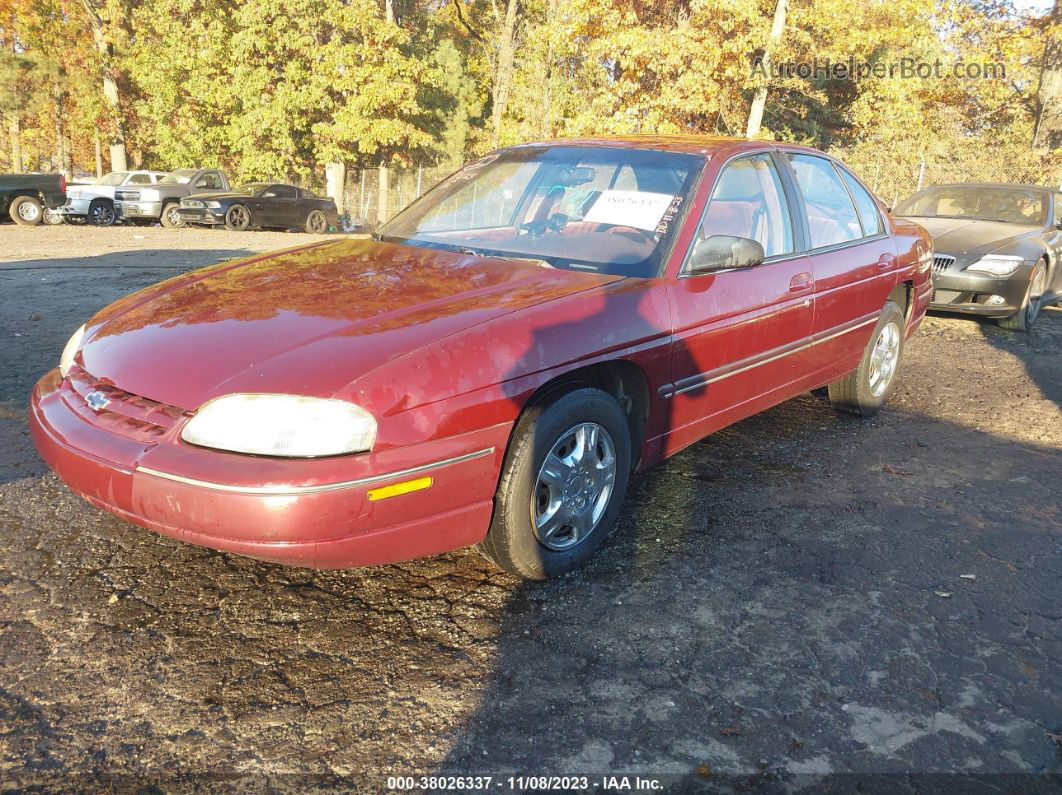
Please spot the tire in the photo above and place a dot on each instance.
(101, 213)
(865, 389)
(316, 223)
(1025, 318)
(237, 218)
(26, 211)
(52, 217)
(170, 218)
(589, 494)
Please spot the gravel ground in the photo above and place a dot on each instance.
(800, 594)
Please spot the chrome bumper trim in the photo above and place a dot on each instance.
(283, 490)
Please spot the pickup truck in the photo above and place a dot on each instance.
(94, 201)
(24, 196)
(162, 200)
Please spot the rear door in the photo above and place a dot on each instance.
(741, 335)
(853, 257)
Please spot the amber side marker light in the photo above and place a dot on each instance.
(396, 489)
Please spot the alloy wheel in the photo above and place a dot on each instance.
(883, 358)
(102, 215)
(574, 486)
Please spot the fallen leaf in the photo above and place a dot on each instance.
(968, 576)
(730, 731)
(943, 594)
(903, 473)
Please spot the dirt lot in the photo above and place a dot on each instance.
(803, 593)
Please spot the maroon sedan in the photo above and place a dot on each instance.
(494, 365)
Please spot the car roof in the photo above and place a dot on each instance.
(692, 144)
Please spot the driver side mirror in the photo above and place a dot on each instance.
(723, 252)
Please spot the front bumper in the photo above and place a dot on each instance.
(969, 291)
(201, 215)
(314, 513)
(138, 209)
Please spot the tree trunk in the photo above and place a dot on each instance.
(14, 131)
(99, 154)
(383, 188)
(1047, 130)
(336, 180)
(110, 88)
(759, 100)
(503, 75)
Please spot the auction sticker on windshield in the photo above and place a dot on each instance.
(639, 209)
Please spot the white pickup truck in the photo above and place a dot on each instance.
(94, 201)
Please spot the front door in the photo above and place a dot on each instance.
(741, 335)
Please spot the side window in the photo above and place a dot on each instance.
(748, 201)
(865, 205)
(210, 181)
(831, 217)
(139, 179)
(1058, 210)
(281, 192)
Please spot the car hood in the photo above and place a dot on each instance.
(305, 321)
(965, 236)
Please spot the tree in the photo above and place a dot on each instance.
(102, 22)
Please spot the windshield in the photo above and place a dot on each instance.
(180, 177)
(982, 203)
(114, 178)
(595, 209)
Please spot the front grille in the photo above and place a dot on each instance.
(942, 262)
(127, 195)
(125, 414)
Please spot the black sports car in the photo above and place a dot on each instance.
(997, 248)
(261, 204)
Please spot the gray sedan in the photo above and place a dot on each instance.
(997, 248)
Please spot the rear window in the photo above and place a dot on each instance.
(832, 217)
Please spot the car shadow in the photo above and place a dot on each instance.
(1039, 350)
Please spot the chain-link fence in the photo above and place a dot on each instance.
(892, 177)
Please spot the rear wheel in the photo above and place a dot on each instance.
(865, 389)
(52, 217)
(101, 213)
(1025, 317)
(26, 211)
(562, 485)
(170, 218)
(316, 223)
(237, 218)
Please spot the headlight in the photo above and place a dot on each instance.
(66, 361)
(213, 205)
(282, 425)
(996, 264)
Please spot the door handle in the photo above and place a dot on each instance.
(800, 282)
(886, 261)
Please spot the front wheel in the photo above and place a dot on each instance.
(316, 223)
(171, 218)
(238, 218)
(562, 485)
(1025, 318)
(101, 213)
(865, 389)
(52, 217)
